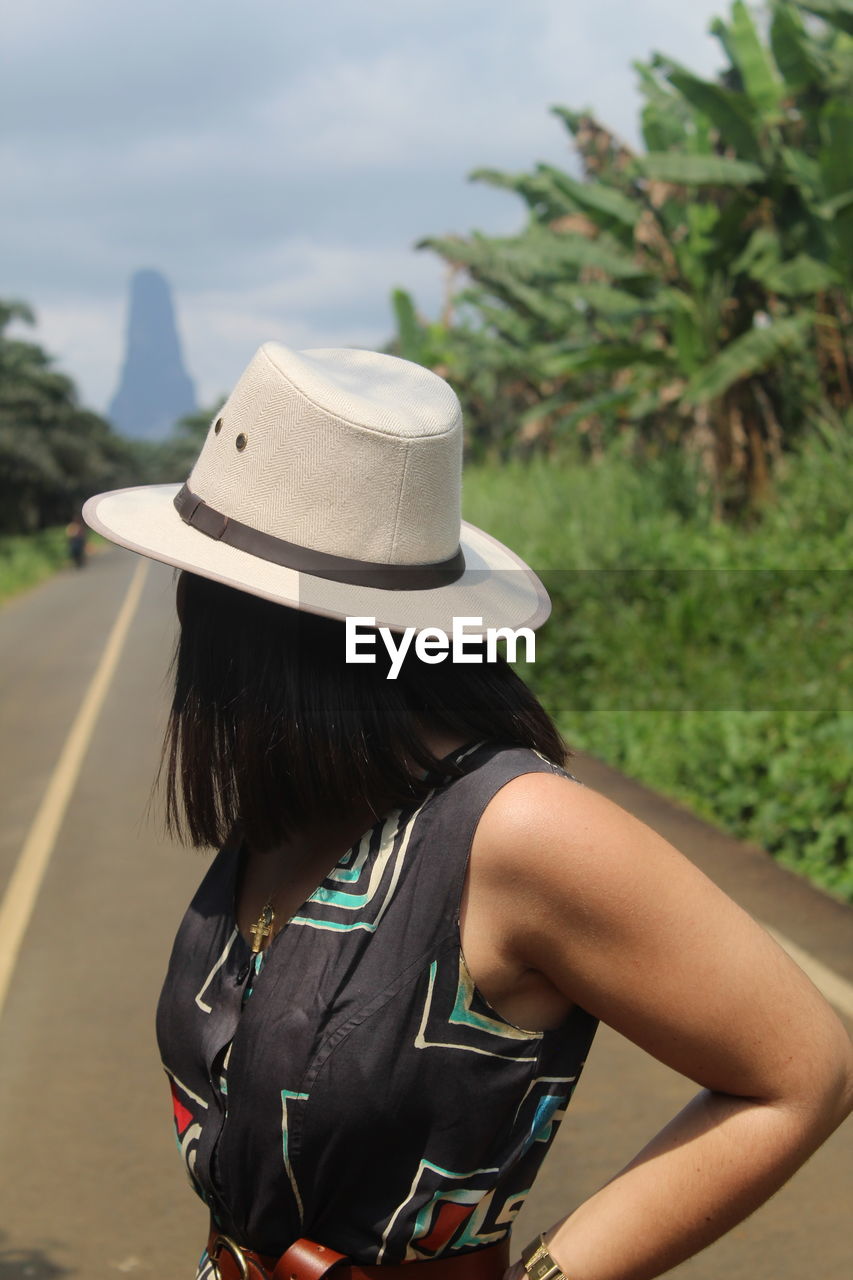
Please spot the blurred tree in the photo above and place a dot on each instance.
(53, 452)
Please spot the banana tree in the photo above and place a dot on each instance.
(697, 293)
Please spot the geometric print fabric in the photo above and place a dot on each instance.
(351, 1084)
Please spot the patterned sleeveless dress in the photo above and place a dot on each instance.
(350, 1083)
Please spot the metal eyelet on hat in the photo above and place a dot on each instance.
(241, 441)
(218, 427)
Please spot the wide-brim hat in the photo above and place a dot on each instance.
(331, 481)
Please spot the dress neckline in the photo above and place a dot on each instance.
(343, 861)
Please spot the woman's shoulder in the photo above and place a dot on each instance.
(562, 825)
(535, 794)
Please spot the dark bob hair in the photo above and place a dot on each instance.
(269, 726)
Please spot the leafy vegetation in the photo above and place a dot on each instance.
(53, 452)
(708, 661)
(695, 297)
(26, 559)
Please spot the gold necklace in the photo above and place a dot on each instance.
(262, 929)
(263, 926)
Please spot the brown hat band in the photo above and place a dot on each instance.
(359, 573)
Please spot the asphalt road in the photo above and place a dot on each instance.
(90, 1183)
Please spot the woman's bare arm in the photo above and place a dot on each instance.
(625, 926)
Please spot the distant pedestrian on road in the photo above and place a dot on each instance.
(77, 535)
(382, 995)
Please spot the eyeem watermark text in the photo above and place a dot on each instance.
(434, 645)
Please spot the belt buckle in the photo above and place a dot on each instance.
(225, 1242)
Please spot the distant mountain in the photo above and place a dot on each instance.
(155, 388)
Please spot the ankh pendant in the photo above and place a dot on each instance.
(262, 929)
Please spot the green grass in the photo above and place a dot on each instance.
(26, 559)
(712, 662)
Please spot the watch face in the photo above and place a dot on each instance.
(542, 1268)
(539, 1264)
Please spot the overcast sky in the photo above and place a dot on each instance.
(278, 161)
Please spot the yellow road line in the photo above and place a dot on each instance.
(837, 990)
(25, 883)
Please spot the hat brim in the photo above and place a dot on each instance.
(497, 586)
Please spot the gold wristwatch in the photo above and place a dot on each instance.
(539, 1264)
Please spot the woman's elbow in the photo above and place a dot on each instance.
(840, 1084)
(824, 1093)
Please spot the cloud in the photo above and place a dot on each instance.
(316, 295)
(278, 161)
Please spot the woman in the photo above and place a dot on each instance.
(383, 993)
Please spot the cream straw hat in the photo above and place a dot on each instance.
(331, 481)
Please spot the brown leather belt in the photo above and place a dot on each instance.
(307, 1260)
